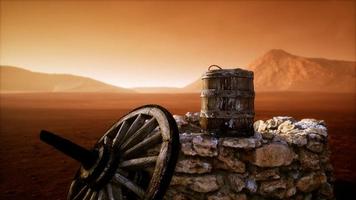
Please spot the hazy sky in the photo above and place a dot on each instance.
(158, 43)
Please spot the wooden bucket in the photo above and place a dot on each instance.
(227, 102)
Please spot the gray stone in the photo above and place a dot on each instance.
(251, 185)
(242, 143)
(295, 137)
(192, 117)
(311, 182)
(273, 155)
(198, 144)
(193, 166)
(205, 145)
(236, 182)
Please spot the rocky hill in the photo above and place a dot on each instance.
(14, 79)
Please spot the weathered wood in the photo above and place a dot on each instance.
(109, 192)
(116, 188)
(227, 105)
(129, 185)
(139, 162)
(140, 134)
(80, 193)
(121, 133)
(160, 165)
(137, 134)
(101, 195)
(94, 195)
(88, 194)
(140, 148)
(137, 124)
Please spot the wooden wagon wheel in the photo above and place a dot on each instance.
(134, 159)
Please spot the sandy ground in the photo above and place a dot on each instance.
(30, 169)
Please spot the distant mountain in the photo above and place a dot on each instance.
(14, 79)
(278, 70)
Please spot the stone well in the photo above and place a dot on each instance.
(284, 159)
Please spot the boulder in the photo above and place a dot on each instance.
(273, 155)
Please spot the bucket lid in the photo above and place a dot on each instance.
(219, 72)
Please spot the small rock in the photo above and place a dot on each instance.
(219, 196)
(327, 190)
(251, 185)
(236, 182)
(275, 188)
(311, 182)
(228, 161)
(242, 143)
(192, 117)
(315, 146)
(205, 145)
(193, 166)
(291, 192)
(309, 160)
(240, 196)
(286, 126)
(272, 124)
(260, 126)
(268, 174)
(295, 137)
(320, 130)
(204, 184)
(273, 155)
(198, 144)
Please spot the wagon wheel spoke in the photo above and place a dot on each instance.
(118, 178)
(101, 195)
(140, 134)
(88, 194)
(139, 162)
(139, 121)
(81, 192)
(147, 143)
(117, 192)
(121, 132)
(94, 195)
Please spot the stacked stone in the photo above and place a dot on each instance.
(285, 159)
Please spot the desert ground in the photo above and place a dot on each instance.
(30, 169)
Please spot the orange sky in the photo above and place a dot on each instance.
(157, 43)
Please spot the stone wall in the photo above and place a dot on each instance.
(285, 159)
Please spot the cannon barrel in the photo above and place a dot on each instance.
(85, 157)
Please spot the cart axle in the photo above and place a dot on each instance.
(85, 157)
